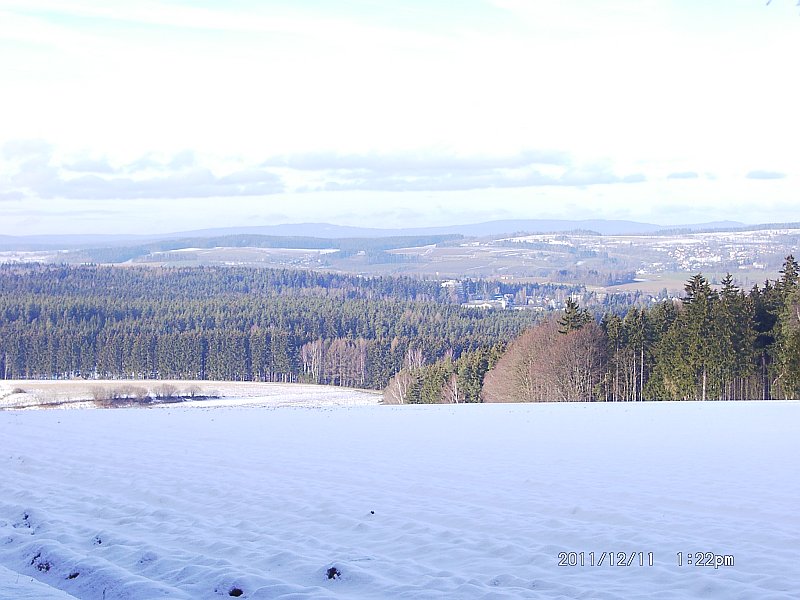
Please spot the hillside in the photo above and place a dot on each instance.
(587, 253)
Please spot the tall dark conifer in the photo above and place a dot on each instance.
(573, 318)
(787, 331)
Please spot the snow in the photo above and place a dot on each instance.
(78, 393)
(466, 501)
(30, 256)
(14, 585)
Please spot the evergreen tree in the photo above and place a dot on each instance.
(766, 306)
(615, 334)
(701, 347)
(734, 336)
(637, 336)
(789, 277)
(789, 347)
(787, 331)
(573, 318)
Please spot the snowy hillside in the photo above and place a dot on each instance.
(469, 501)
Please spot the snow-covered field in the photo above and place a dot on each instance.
(79, 393)
(467, 501)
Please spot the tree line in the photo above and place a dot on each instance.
(400, 334)
(232, 324)
(373, 247)
(713, 344)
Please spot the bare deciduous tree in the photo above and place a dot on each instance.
(397, 390)
(543, 365)
(312, 355)
(414, 358)
(165, 391)
(192, 391)
(450, 391)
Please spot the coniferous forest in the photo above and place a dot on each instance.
(234, 324)
(404, 335)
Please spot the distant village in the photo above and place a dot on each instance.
(545, 297)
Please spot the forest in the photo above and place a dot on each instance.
(406, 336)
(373, 247)
(228, 323)
(712, 344)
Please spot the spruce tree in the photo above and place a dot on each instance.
(789, 277)
(787, 330)
(615, 334)
(573, 318)
(702, 345)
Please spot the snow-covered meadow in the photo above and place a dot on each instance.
(466, 501)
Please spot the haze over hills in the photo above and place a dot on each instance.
(604, 227)
(68, 241)
(328, 230)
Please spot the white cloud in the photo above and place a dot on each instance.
(131, 98)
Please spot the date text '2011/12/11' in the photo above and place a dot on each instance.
(611, 559)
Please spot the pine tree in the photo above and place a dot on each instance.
(573, 318)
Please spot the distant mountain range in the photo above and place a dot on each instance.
(327, 230)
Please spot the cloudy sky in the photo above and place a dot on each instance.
(119, 116)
